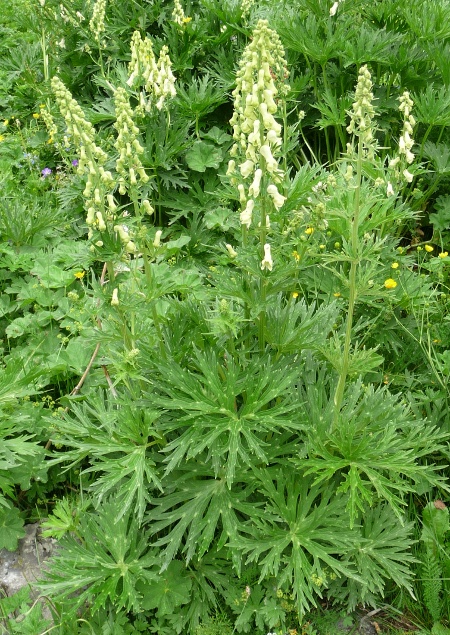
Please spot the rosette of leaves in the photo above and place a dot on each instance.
(104, 567)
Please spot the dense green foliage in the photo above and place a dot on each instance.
(224, 310)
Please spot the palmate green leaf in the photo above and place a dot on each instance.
(439, 155)
(165, 143)
(170, 590)
(227, 408)
(436, 524)
(11, 528)
(106, 566)
(16, 380)
(118, 442)
(65, 517)
(432, 106)
(427, 20)
(333, 109)
(200, 510)
(441, 217)
(361, 360)
(381, 552)
(302, 532)
(365, 44)
(374, 448)
(22, 615)
(201, 97)
(313, 37)
(294, 326)
(203, 155)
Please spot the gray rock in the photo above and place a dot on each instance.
(26, 565)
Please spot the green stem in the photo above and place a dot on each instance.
(155, 316)
(285, 136)
(309, 148)
(100, 59)
(425, 137)
(339, 394)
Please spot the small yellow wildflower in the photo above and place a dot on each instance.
(296, 255)
(394, 265)
(295, 294)
(186, 20)
(309, 230)
(390, 284)
(2, 137)
(429, 248)
(79, 275)
(337, 295)
(6, 122)
(443, 254)
(50, 140)
(36, 115)
(322, 246)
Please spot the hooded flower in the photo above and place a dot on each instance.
(267, 262)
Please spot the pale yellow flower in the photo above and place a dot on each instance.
(115, 297)
(390, 283)
(429, 248)
(443, 254)
(267, 262)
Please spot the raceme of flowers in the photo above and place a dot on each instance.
(361, 117)
(49, 122)
(97, 22)
(128, 165)
(405, 143)
(91, 157)
(78, 127)
(155, 77)
(178, 15)
(246, 6)
(257, 135)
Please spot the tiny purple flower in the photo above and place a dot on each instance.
(75, 163)
(46, 172)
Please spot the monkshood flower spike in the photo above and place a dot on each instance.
(154, 79)
(255, 169)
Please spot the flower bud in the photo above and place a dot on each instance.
(115, 298)
(231, 252)
(157, 240)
